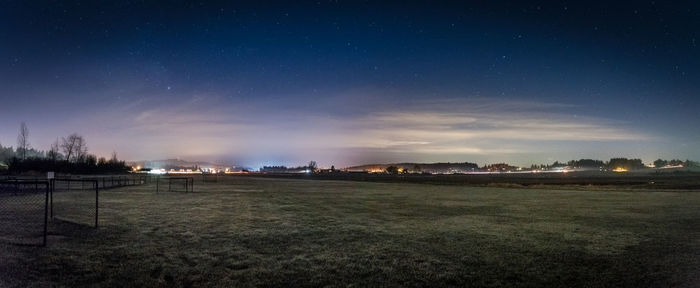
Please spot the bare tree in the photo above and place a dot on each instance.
(81, 149)
(114, 157)
(312, 166)
(68, 145)
(53, 152)
(23, 140)
(74, 147)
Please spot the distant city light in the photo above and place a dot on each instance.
(157, 171)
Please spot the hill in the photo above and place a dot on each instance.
(441, 167)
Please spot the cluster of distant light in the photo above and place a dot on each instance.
(195, 171)
(519, 170)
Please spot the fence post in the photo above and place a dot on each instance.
(46, 213)
(97, 203)
(52, 184)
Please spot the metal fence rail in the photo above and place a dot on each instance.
(176, 184)
(28, 203)
(106, 182)
(114, 181)
(75, 200)
(24, 207)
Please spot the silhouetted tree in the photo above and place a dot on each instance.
(629, 164)
(660, 163)
(556, 164)
(312, 166)
(586, 163)
(81, 149)
(416, 169)
(392, 170)
(74, 147)
(53, 153)
(23, 141)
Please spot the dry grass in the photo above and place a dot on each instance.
(276, 232)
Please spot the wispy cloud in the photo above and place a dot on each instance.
(448, 128)
(475, 130)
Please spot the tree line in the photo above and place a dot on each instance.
(613, 163)
(311, 167)
(66, 155)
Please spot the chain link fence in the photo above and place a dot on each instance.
(107, 182)
(24, 211)
(175, 184)
(75, 200)
(27, 204)
(114, 181)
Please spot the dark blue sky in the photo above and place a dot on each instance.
(350, 82)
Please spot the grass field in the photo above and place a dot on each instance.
(245, 231)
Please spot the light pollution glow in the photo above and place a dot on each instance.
(452, 130)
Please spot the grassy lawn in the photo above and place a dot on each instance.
(283, 232)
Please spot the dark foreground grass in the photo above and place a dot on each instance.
(275, 232)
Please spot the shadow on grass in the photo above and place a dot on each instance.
(60, 227)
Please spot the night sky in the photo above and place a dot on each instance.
(352, 82)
